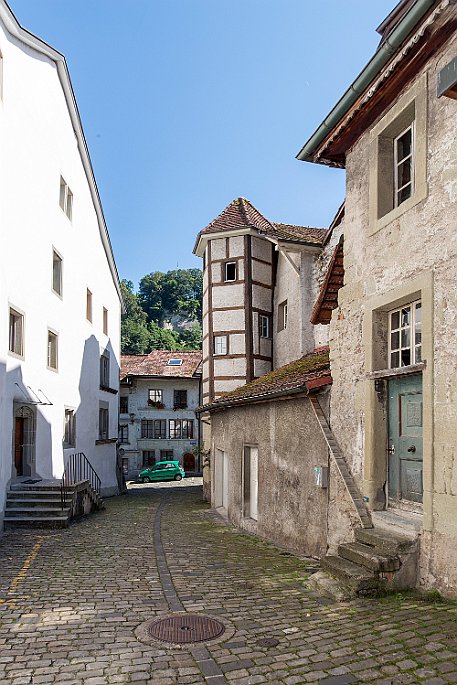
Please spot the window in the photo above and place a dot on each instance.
(52, 350)
(56, 273)
(174, 362)
(88, 305)
(229, 271)
(124, 404)
(70, 428)
(404, 165)
(405, 336)
(166, 454)
(220, 344)
(154, 429)
(155, 397)
(175, 429)
(104, 369)
(147, 428)
(282, 316)
(187, 429)
(123, 433)
(105, 321)
(181, 429)
(180, 399)
(264, 326)
(16, 333)
(103, 423)
(66, 198)
(149, 458)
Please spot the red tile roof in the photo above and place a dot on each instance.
(308, 372)
(327, 299)
(241, 214)
(155, 364)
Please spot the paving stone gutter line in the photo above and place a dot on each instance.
(207, 665)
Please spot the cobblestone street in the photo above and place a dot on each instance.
(72, 600)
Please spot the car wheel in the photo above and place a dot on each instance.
(146, 479)
(178, 477)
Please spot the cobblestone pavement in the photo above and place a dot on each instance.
(70, 602)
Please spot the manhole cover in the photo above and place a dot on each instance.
(268, 642)
(185, 628)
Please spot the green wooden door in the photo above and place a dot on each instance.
(405, 438)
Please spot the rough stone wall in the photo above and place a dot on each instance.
(423, 239)
(292, 510)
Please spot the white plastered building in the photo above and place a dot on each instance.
(59, 288)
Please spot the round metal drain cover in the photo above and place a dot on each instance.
(186, 628)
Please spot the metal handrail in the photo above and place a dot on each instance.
(78, 468)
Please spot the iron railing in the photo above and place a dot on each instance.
(78, 468)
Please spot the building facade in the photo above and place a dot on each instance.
(392, 358)
(160, 392)
(59, 289)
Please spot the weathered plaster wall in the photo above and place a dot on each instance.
(421, 242)
(292, 509)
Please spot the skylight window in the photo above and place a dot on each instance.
(174, 362)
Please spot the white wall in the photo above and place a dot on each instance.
(38, 145)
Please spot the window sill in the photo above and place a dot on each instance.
(393, 373)
(105, 441)
(106, 388)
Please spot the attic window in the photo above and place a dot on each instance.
(174, 362)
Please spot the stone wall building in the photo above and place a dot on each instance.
(159, 394)
(59, 288)
(393, 401)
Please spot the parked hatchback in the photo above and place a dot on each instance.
(163, 470)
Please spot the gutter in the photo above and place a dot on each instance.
(361, 83)
(305, 389)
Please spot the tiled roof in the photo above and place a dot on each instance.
(155, 364)
(241, 214)
(310, 371)
(327, 300)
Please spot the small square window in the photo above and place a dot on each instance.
(282, 316)
(105, 321)
(70, 428)
(88, 305)
(220, 344)
(229, 271)
(264, 326)
(16, 333)
(52, 350)
(66, 198)
(155, 398)
(56, 273)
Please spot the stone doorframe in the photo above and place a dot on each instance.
(375, 340)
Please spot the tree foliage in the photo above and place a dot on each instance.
(165, 313)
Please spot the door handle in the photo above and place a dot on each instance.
(412, 448)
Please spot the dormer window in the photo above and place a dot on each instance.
(174, 362)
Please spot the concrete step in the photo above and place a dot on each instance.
(45, 494)
(46, 486)
(358, 578)
(35, 522)
(384, 542)
(32, 502)
(36, 512)
(364, 555)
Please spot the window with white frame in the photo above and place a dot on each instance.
(16, 332)
(155, 397)
(70, 428)
(220, 344)
(405, 335)
(404, 165)
(282, 316)
(56, 273)
(264, 326)
(52, 350)
(66, 198)
(103, 422)
(229, 271)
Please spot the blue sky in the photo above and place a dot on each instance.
(187, 104)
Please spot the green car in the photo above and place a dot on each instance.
(163, 470)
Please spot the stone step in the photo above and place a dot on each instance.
(34, 492)
(35, 486)
(35, 522)
(384, 542)
(32, 502)
(36, 512)
(364, 555)
(356, 577)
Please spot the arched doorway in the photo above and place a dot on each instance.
(24, 440)
(189, 462)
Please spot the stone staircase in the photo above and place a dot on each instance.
(39, 505)
(379, 559)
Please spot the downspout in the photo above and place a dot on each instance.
(377, 62)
